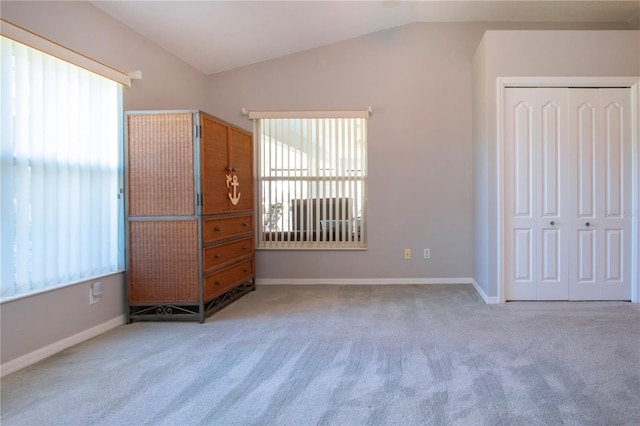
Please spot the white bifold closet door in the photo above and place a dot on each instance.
(567, 169)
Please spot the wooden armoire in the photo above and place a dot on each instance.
(189, 208)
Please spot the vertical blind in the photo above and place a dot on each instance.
(312, 182)
(60, 214)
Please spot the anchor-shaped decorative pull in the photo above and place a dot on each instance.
(233, 181)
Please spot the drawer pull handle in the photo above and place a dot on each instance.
(244, 225)
(216, 229)
(244, 270)
(217, 283)
(244, 248)
(217, 256)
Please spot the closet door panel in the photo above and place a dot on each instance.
(551, 151)
(586, 254)
(519, 160)
(552, 282)
(600, 134)
(585, 146)
(615, 209)
(535, 145)
(614, 169)
(584, 133)
(614, 248)
(550, 261)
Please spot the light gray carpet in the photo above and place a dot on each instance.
(349, 355)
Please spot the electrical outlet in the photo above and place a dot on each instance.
(94, 292)
(427, 253)
(407, 254)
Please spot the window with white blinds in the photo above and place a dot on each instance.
(312, 179)
(61, 216)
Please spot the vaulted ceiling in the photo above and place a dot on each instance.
(214, 36)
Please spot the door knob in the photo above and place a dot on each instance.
(552, 223)
(587, 224)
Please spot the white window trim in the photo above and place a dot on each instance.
(358, 113)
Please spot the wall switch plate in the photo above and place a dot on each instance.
(427, 253)
(407, 254)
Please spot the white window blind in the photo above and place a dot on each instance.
(312, 179)
(61, 216)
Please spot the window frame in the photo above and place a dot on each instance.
(344, 210)
(60, 53)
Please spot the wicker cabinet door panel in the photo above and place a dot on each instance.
(241, 159)
(214, 161)
(163, 261)
(214, 229)
(219, 282)
(160, 164)
(222, 254)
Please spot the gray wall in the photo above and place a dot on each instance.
(168, 82)
(31, 323)
(418, 79)
(34, 322)
(480, 168)
(530, 54)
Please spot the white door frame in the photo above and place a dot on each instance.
(634, 84)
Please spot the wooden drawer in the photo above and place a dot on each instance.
(223, 280)
(216, 256)
(215, 229)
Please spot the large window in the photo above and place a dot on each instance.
(312, 179)
(61, 215)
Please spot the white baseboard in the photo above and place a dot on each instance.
(377, 281)
(360, 281)
(488, 300)
(45, 352)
